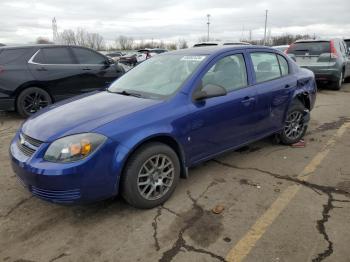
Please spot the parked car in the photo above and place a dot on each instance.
(328, 59)
(129, 59)
(347, 42)
(143, 55)
(281, 48)
(33, 77)
(115, 55)
(166, 115)
(220, 43)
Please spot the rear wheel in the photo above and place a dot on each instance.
(150, 176)
(294, 128)
(31, 100)
(337, 84)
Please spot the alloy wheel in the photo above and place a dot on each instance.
(294, 125)
(35, 101)
(156, 177)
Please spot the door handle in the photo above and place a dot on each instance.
(41, 69)
(248, 99)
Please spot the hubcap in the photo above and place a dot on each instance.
(294, 125)
(155, 177)
(35, 101)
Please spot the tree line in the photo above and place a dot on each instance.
(95, 41)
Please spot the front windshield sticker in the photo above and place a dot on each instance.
(192, 58)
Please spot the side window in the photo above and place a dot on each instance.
(57, 56)
(266, 66)
(283, 64)
(85, 56)
(229, 72)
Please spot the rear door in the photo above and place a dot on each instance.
(96, 72)
(275, 85)
(57, 71)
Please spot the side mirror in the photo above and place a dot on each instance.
(209, 91)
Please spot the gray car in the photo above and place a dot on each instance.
(328, 59)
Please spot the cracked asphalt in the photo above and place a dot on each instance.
(313, 225)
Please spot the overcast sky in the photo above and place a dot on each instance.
(22, 21)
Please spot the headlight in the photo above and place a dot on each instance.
(73, 148)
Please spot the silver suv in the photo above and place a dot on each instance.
(328, 59)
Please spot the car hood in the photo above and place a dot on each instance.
(82, 115)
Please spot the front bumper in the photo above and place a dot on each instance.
(89, 180)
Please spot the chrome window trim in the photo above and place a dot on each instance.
(30, 61)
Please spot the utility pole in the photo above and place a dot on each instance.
(265, 26)
(208, 23)
(54, 31)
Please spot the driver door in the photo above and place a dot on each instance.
(220, 123)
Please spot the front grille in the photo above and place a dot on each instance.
(58, 196)
(27, 145)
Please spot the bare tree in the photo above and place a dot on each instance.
(124, 42)
(183, 44)
(202, 39)
(68, 37)
(42, 40)
(83, 38)
(171, 46)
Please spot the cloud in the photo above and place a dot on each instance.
(23, 21)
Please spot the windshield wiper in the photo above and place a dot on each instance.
(127, 93)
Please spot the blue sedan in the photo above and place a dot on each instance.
(170, 113)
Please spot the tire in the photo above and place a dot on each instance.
(31, 100)
(142, 183)
(294, 128)
(337, 84)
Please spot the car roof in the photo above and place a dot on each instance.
(37, 45)
(209, 50)
(316, 40)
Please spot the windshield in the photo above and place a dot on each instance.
(158, 77)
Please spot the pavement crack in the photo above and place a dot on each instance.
(58, 257)
(180, 243)
(321, 227)
(327, 208)
(12, 209)
(155, 227)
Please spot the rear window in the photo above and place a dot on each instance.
(311, 48)
(11, 56)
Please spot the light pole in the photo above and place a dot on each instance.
(208, 23)
(265, 26)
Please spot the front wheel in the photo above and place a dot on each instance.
(31, 100)
(294, 128)
(150, 176)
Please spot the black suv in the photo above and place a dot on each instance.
(32, 77)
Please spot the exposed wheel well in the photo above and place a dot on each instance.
(169, 141)
(304, 99)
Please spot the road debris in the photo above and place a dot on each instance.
(218, 209)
